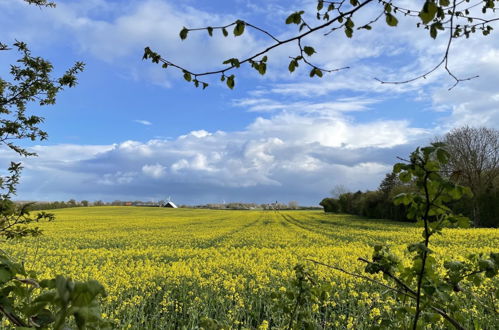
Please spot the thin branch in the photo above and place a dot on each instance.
(303, 55)
(266, 50)
(443, 61)
(361, 277)
(390, 275)
(440, 311)
(12, 317)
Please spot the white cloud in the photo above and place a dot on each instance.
(118, 32)
(155, 171)
(143, 122)
(326, 108)
(288, 156)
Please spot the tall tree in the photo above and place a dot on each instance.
(474, 160)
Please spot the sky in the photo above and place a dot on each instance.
(131, 130)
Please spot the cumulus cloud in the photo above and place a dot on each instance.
(155, 171)
(291, 156)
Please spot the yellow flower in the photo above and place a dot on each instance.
(264, 325)
(375, 312)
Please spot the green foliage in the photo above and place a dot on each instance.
(30, 82)
(330, 205)
(24, 301)
(32, 304)
(426, 293)
(296, 301)
(420, 280)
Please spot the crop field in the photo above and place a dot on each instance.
(179, 268)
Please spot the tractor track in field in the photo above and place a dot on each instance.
(295, 223)
(225, 236)
(320, 230)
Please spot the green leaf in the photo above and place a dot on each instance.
(433, 31)
(5, 275)
(405, 177)
(444, 3)
(239, 28)
(210, 30)
(43, 318)
(315, 72)
(402, 198)
(263, 68)
(225, 32)
(233, 62)
(230, 82)
(187, 76)
(297, 17)
(183, 33)
(398, 167)
(348, 32)
(428, 12)
(442, 155)
(294, 18)
(349, 23)
(320, 5)
(391, 20)
(354, 2)
(292, 65)
(309, 50)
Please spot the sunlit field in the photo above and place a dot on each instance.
(174, 268)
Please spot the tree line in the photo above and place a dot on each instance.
(473, 163)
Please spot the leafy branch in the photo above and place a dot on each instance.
(25, 301)
(421, 282)
(435, 16)
(239, 28)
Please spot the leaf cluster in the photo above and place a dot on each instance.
(56, 303)
(30, 81)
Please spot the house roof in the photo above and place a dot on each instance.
(170, 203)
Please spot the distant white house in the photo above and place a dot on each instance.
(169, 204)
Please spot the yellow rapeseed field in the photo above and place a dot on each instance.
(171, 268)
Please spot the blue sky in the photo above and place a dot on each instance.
(131, 130)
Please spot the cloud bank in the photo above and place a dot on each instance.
(289, 156)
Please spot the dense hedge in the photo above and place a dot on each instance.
(378, 204)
